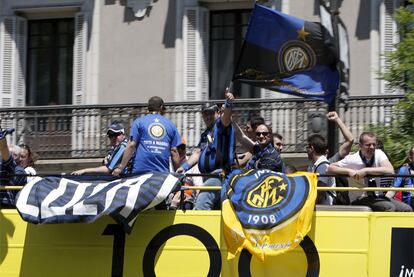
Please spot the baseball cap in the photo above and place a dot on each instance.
(209, 107)
(116, 128)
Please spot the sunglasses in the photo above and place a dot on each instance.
(113, 135)
(265, 134)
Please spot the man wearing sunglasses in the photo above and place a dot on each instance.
(252, 122)
(264, 154)
(118, 142)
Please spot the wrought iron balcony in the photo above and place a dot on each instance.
(80, 131)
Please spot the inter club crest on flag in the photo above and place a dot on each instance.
(296, 56)
(268, 193)
(287, 54)
(266, 212)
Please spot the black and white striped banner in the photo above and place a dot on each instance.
(85, 199)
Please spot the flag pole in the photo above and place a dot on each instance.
(332, 128)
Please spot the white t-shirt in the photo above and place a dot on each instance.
(354, 161)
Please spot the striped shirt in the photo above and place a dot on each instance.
(115, 157)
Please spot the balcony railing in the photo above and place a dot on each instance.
(80, 131)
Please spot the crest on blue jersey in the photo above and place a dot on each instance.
(156, 130)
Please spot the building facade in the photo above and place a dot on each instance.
(110, 52)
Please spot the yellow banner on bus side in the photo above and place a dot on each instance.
(280, 229)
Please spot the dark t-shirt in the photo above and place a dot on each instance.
(267, 158)
(7, 170)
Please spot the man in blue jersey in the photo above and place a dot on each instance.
(10, 172)
(153, 136)
(118, 142)
(214, 152)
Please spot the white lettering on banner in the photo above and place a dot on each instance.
(261, 172)
(23, 197)
(262, 218)
(78, 195)
(166, 187)
(89, 209)
(133, 195)
(111, 193)
(45, 210)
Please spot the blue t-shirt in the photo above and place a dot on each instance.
(155, 135)
(406, 182)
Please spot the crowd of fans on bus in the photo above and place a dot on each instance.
(154, 145)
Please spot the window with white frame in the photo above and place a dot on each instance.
(43, 60)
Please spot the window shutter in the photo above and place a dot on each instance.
(204, 28)
(79, 69)
(389, 37)
(79, 59)
(196, 40)
(196, 81)
(13, 37)
(21, 44)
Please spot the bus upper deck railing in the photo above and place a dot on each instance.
(212, 188)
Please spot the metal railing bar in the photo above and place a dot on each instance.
(187, 103)
(216, 188)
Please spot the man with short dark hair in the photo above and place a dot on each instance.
(317, 149)
(152, 138)
(369, 161)
(10, 172)
(278, 142)
(252, 122)
(118, 142)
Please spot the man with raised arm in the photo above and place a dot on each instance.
(316, 150)
(264, 154)
(251, 125)
(369, 161)
(214, 152)
(152, 138)
(10, 172)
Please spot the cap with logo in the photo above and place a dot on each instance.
(116, 128)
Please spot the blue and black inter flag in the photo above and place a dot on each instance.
(289, 55)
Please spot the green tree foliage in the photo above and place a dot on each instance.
(399, 73)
